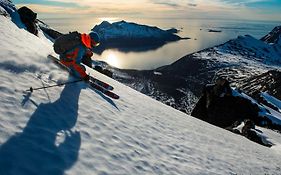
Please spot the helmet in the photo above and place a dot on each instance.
(95, 39)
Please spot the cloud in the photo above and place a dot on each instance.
(192, 5)
(167, 3)
(241, 2)
(47, 3)
(240, 9)
(49, 9)
(101, 9)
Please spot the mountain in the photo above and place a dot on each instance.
(75, 130)
(273, 37)
(127, 36)
(245, 61)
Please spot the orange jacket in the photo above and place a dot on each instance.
(75, 56)
(86, 40)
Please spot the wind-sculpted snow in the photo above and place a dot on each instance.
(75, 130)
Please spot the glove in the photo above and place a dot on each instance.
(86, 78)
(89, 53)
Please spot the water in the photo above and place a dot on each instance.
(196, 29)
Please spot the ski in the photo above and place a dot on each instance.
(103, 90)
(99, 85)
(92, 79)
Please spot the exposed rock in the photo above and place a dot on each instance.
(28, 18)
(269, 81)
(218, 107)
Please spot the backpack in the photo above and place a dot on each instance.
(67, 42)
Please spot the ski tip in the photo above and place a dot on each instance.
(116, 97)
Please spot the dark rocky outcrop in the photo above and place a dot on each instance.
(218, 106)
(28, 18)
(224, 109)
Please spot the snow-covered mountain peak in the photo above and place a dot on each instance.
(123, 29)
(105, 24)
(129, 36)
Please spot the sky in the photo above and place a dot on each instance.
(218, 9)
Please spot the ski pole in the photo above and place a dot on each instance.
(31, 89)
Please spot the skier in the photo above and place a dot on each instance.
(75, 48)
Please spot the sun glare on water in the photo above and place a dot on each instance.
(112, 60)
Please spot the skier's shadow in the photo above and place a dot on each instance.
(36, 150)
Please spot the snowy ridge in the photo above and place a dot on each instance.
(252, 48)
(74, 130)
(274, 37)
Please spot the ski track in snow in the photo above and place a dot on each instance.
(75, 130)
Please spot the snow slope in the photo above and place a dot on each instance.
(252, 48)
(75, 130)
